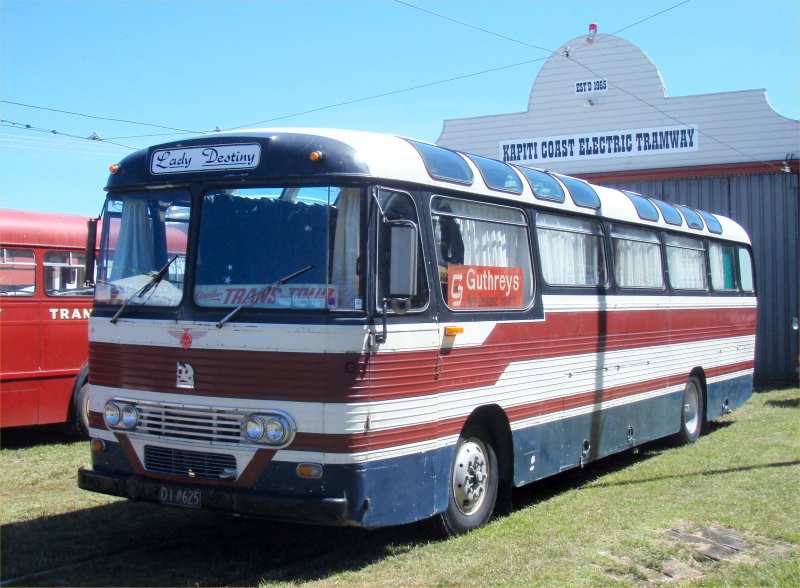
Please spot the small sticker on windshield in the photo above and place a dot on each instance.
(357, 304)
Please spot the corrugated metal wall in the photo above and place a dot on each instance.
(766, 205)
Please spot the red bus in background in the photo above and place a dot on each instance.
(44, 309)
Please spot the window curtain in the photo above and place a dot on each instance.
(493, 244)
(134, 254)
(687, 268)
(637, 264)
(721, 258)
(344, 276)
(570, 259)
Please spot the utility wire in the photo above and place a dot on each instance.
(98, 117)
(92, 138)
(572, 58)
(475, 27)
(390, 93)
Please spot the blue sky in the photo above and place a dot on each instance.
(198, 64)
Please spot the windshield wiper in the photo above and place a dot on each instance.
(155, 279)
(268, 291)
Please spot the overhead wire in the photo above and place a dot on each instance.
(92, 139)
(98, 117)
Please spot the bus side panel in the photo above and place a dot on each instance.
(727, 395)
(64, 345)
(20, 361)
(559, 444)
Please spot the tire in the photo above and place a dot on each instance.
(79, 422)
(473, 484)
(82, 411)
(692, 411)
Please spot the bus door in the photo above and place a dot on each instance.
(64, 315)
(20, 332)
(405, 348)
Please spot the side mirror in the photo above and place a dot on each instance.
(403, 237)
(91, 245)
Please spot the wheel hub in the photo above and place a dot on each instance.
(691, 413)
(470, 476)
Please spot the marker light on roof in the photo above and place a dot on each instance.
(316, 156)
(113, 168)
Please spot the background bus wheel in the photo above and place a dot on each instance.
(692, 411)
(473, 483)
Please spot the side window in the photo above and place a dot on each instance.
(483, 255)
(686, 262)
(722, 266)
(17, 272)
(64, 274)
(571, 250)
(637, 258)
(745, 270)
(399, 206)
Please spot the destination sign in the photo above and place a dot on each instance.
(205, 158)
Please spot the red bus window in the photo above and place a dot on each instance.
(64, 274)
(17, 272)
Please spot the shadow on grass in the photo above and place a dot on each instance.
(787, 403)
(24, 437)
(138, 544)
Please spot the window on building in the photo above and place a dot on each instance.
(543, 185)
(637, 258)
(571, 250)
(17, 272)
(745, 270)
(483, 255)
(721, 257)
(64, 274)
(686, 262)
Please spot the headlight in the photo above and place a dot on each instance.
(112, 414)
(254, 428)
(130, 416)
(272, 428)
(277, 430)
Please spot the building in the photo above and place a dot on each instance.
(599, 110)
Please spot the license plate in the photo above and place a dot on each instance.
(185, 497)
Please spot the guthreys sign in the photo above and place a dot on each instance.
(602, 144)
(205, 158)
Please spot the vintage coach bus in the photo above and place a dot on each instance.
(373, 330)
(44, 311)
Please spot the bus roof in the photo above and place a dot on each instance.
(42, 229)
(284, 155)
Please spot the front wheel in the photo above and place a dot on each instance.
(473, 483)
(691, 412)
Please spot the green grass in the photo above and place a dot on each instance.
(604, 525)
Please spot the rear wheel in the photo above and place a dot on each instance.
(691, 412)
(473, 483)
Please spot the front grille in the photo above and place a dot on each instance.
(193, 464)
(191, 423)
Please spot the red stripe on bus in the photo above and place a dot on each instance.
(374, 440)
(352, 377)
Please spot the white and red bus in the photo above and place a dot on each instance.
(44, 311)
(369, 330)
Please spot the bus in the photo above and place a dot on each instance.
(44, 311)
(370, 330)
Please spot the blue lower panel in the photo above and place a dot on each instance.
(727, 395)
(546, 449)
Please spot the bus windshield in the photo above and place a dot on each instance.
(251, 238)
(141, 234)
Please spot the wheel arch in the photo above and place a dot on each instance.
(495, 421)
